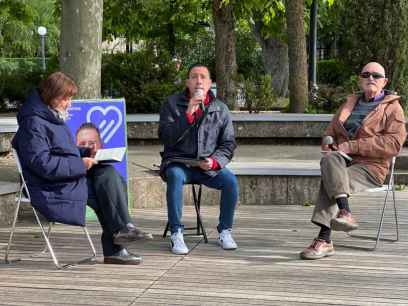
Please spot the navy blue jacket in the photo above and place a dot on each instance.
(52, 166)
(214, 137)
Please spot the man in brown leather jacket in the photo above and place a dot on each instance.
(358, 145)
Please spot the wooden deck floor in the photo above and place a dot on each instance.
(265, 270)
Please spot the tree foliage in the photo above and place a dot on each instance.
(379, 36)
(168, 22)
(19, 21)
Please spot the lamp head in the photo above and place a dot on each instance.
(42, 30)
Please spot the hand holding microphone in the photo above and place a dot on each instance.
(342, 148)
(196, 101)
(328, 143)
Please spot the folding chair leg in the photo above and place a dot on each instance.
(382, 217)
(197, 204)
(200, 230)
(47, 241)
(13, 227)
(395, 213)
(90, 242)
(166, 230)
(45, 249)
(381, 223)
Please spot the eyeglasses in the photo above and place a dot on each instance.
(375, 75)
(87, 144)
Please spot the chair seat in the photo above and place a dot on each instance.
(23, 199)
(378, 189)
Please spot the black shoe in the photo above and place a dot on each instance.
(129, 235)
(123, 257)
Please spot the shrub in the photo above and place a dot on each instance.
(332, 72)
(144, 79)
(258, 92)
(18, 77)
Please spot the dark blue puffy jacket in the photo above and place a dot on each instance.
(52, 166)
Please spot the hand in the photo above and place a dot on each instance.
(325, 148)
(89, 162)
(345, 147)
(329, 148)
(194, 103)
(205, 164)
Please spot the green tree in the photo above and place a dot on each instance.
(379, 36)
(19, 21)
(163, 23)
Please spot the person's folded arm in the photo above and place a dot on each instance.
(44, 161)
(389, 143)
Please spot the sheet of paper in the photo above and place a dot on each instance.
(113, 154)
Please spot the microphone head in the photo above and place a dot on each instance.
(199, 93)
(327, 140)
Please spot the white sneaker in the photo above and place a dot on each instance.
(226, 241)
(178, 246)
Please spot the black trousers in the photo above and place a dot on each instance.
(107, 196)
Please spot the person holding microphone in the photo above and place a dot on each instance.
(358, 145)
(198, 137)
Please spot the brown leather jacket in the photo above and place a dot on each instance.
(380, 137)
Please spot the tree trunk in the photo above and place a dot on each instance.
(81, 44)
(225, 57)
(275, 59)
(298, 91)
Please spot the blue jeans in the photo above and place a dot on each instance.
(178, 174)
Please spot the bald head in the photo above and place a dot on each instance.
(373, 66)
(372, 80)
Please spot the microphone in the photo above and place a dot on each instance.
(199, 95)
(328, 141)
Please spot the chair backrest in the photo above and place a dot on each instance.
(388, 185)
(24, 189)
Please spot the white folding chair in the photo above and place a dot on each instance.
(24, 197)
(387, 188)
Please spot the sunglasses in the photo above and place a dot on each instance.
(375, 75)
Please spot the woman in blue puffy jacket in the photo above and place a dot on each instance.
(56, 173)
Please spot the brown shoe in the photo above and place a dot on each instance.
(318, 249)
(130, 235)
(344, 222)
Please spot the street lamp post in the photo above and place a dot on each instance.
(312, 51)
(42, 31)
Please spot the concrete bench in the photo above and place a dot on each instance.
(283, 182)
(8, 127)
(267, 127)
(261, 183)
(7, 201)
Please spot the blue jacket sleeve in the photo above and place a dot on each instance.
(36, 154)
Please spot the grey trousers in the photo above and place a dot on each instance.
(338, 178)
